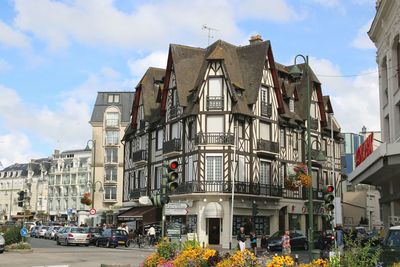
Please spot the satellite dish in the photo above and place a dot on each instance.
(145, 201)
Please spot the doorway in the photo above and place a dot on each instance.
(213, 231)
(282, 219)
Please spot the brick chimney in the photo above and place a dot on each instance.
(255, 39)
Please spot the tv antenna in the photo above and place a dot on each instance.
(209, 29)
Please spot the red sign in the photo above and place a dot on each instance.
(92, 211)
(365, 149)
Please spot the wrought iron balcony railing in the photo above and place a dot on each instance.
(174, 112)
(215, 102)
(266, 109)
(172, 145)
(214, 138)
(314, 124)
(138, 192)
(266, 145)
(140, 155)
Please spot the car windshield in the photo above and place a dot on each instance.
(393, 239)
(93, 230)
(78, 230)
(277, 234)
(45, 228)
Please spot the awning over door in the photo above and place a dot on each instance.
(213, 210)
(146, 214)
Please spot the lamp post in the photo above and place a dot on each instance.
(93, 166)
(296, 72)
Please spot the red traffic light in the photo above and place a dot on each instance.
(173, 165)
(330, 189)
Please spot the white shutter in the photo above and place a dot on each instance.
(215, 87)
(265, 131)
(174, 131)
(215, 124)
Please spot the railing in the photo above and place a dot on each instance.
(112, 123)
(267, 145)
(225, 187)
(174, 111)
(138, 192)
(214, 138)
(215, 102)
(266, 109)
(293, 194)
(172, 145)
(139, 155)
(314, 123)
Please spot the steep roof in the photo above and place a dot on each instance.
(124, 104)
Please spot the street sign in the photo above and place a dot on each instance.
(176, 205)
(23, 232)
(69, 211)
(92, 211)
(169, 211)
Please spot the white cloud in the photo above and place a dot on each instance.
(10, 37)
(328, 3)
(156, 59)
(355, 100)
(151, 25)
(362, 40)
(8, 152)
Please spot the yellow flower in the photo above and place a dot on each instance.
(208, 253)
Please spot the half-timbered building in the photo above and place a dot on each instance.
(230, 115)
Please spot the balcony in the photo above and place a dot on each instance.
(174, 112)
(138, 192)
(140, 155)
(266, 109)
(214, 138)
(215, 102)
(173, 145)
(225, 187)
(293, 194)
(269, 146)
(317, 194)
(314, 124)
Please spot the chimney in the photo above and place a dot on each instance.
(255, 39)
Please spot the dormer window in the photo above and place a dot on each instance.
(291, 105)
(113, 98)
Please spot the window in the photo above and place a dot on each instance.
(215, 87)
(111, 173)
(282, 173)
(160, 139)
(110, 193)
(313, 109)
(241, 129)
(112, 137)
(265, 95)
(158, 172)
(265, 131)
(112, 155)
(282, 139)
(174, 98)
(112, 119)
(295, 139)
(190, 175)
(241, 174)
(265, 172)
(214, 168)
(291, 105)
(192, 130)
(315, 178)
(174, 131)
(142, 179)
(113, 98)
(261, 224)
(215, 124)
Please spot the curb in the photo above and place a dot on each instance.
(19, 251)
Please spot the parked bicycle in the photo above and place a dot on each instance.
(140, 241)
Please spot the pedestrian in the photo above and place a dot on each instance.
(339, 239)
(152, 234)
(324, 245)
(286, 248)
(241, 238)
(264, 242)
(253, 242)
(125, 226)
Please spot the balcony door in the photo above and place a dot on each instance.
(214, 173)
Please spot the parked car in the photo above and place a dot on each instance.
(29, 226)
(50, 233)
(73, 235)
(94, 233)
(297, 240)
(2, 243)
(34, 230)
(112, 238)
(41, 231)
(391, 246)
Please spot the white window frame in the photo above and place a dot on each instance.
(215, 86)
(108, 193)
(112, 119)
(241, 173)
(216, 121)
(112, 137)
(160, 139)
(265, 180)
(111, 174)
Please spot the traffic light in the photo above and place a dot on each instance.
(329, 198)
(255, 209)
(21, 198)
(171, 176)
(159, 200)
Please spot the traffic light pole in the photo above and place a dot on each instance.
(164, 181)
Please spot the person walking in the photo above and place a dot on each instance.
(264, 242)
(286, 248)
(253, 242)
(339, 239)
(241, 238)
(152, 235)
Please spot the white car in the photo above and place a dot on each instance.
(42, 230)
(73, 235)
(2, 243)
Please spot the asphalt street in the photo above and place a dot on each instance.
(47, 253)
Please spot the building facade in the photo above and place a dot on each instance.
(235, 120)
(382, 167)
(110, 117)
(69, 178)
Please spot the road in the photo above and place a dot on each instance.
(47, 253)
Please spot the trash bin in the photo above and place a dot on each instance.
(315, 254)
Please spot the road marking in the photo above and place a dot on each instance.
(51, 266)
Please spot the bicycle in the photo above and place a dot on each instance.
(140, 242)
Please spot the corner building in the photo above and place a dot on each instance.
(231, 116)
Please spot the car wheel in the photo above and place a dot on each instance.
(127, 243)
(305, 246)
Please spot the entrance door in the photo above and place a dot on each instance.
(282, 217)
(213, 231)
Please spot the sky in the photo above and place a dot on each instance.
(56, 55)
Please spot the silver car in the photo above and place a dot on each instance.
(2, 243)
(73, 235)
(42, 230)
(50, 233)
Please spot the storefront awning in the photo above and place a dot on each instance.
(382, 165)
(147, 214)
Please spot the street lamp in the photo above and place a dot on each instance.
(94, 182)
(296, 72)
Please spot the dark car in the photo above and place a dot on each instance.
(329, 236)
(112, 238)
(391, 246)
(297, 240)
(94, 233)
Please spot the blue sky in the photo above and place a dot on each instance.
(55, 56)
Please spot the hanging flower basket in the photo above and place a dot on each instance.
(86, 199)
(305, 180)
(292, 185)
(297, 176)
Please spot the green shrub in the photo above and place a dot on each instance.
(12, 235)
(19, 246)
(189, 244)
(166, 249)
(359, 254)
